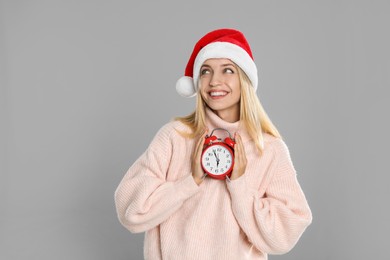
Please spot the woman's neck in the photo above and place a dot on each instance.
(228, 116)
(215, 121)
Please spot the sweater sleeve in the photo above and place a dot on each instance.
(275, 220)
(144, 198)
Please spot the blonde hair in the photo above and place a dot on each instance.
(252, 115)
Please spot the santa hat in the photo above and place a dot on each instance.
(222, 43)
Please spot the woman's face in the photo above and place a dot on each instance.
(220, 88)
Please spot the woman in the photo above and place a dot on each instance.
(260, 209)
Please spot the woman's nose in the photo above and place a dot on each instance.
(216, 80)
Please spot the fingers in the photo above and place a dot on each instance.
(240, 147)
(240, 160)
(197, 171)
(199, 145)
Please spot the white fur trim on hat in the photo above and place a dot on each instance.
(229, 51)
(185, 87)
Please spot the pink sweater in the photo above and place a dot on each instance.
(262, 212)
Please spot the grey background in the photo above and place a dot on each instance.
(85, 85)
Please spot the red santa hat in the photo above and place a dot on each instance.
(222, 43)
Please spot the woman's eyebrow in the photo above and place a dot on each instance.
(222, 65)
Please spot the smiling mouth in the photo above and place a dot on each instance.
(218, 93)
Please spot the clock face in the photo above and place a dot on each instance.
(217, 160)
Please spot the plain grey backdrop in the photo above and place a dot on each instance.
(85, 85)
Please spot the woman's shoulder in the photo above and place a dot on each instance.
(279, 148)
(174, 128)
(269, 138)
(274, 143)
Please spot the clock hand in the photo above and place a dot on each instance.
(216, 157)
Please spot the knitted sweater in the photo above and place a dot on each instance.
(262, 212)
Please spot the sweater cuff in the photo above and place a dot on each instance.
(187, 187)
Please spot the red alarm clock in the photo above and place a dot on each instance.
(217, 158)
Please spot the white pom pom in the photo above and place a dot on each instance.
(185, 87)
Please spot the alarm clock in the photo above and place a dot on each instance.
(217, 158)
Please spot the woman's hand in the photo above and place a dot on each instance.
(239, 158)
(197, 171)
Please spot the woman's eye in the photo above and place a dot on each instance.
(230, 71)
(204, 72)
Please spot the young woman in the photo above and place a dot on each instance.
(256, 209)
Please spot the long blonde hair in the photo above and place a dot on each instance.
(252, 115)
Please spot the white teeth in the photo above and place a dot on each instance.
(219, 93)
